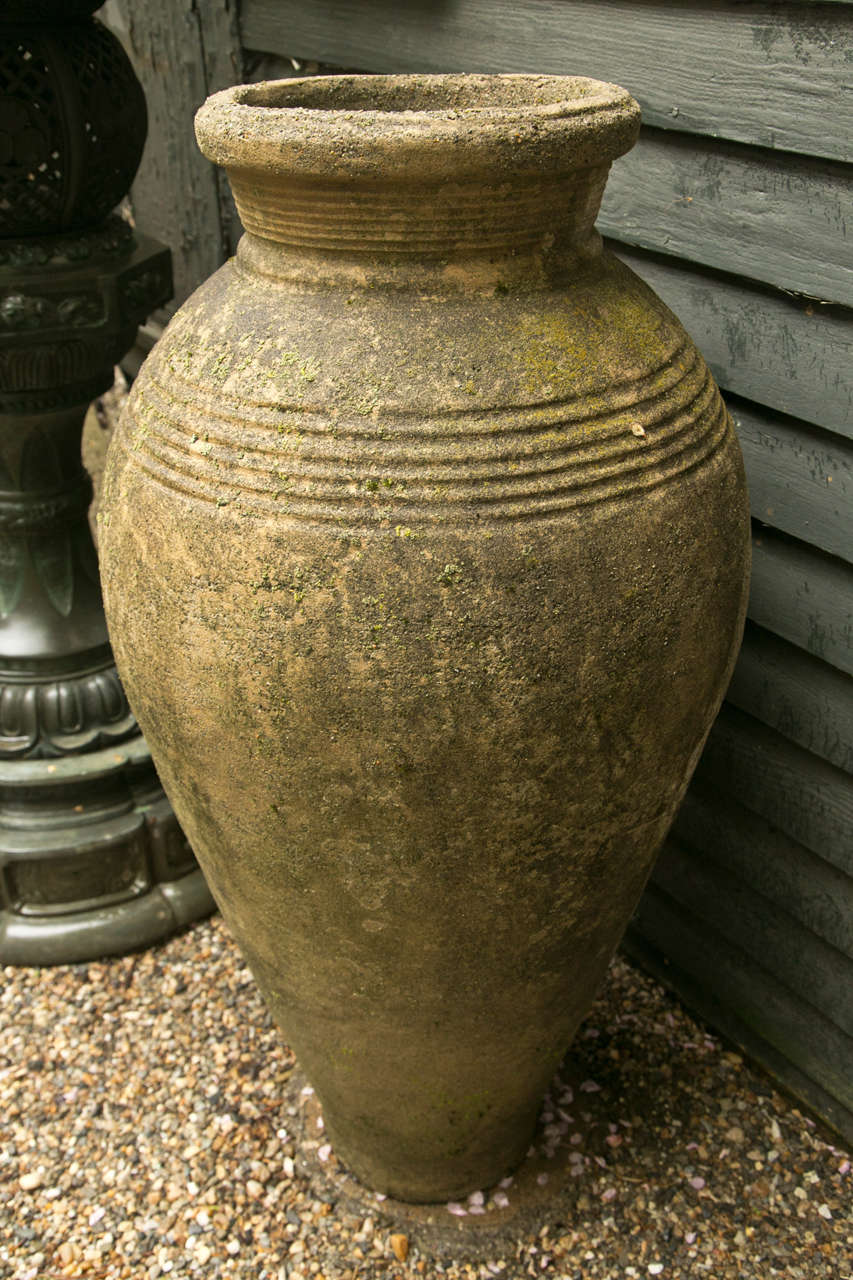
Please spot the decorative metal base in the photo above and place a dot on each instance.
(92, 861)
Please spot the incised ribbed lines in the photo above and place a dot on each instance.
(394, 220)
(524, 461)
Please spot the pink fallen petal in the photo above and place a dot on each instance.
(690, 1237)
(501, 1199)
(589, 1086)
(457, 1209)
(844, 1167)
(380, 1195)
(609, 1194)
(697, 1183)
(506, 1182)
(613, 1140)
(542, 1178)
(476, 1208)
(324, 1152)
(476, 1198)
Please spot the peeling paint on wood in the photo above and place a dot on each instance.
(804, 596)
(817, 894)
(808, 966)
(800, 478)
(800, 795)
(802, 698)
(783, 220)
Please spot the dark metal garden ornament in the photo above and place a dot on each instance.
(91, 858)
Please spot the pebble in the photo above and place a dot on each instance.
(399, 1245)
(147, 1133)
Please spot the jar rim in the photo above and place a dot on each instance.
(348, 125)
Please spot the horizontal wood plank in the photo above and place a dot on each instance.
(800, 478)
(779, 869)
(808, 966)
(764, 215)
(803, 596)
(757, 73)
(805, 700)
(718, 1005)
(807, 1037)
(785, 353)
(801, 795)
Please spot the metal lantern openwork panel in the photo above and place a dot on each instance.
(72, 126)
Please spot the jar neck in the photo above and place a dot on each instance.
(468, 233)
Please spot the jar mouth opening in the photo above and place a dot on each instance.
(443, 96)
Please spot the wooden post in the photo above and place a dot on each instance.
(182, 51)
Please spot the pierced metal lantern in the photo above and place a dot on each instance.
(72, 126)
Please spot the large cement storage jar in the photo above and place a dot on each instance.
(424, 550)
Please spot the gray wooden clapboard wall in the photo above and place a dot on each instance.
(734, 206)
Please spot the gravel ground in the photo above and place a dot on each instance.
(154, 1125)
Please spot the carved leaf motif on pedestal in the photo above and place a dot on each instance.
(63, 716)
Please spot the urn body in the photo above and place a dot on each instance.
(424, 550)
